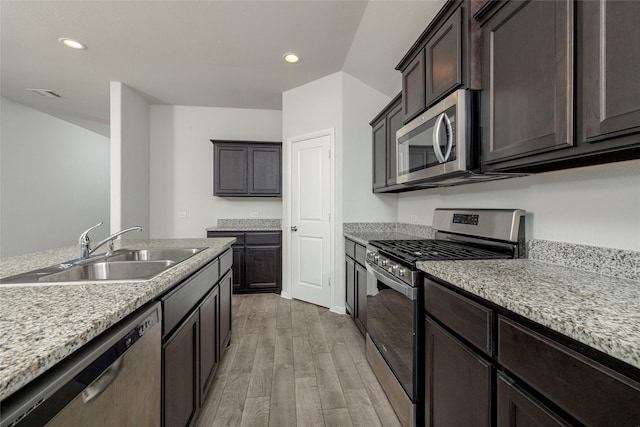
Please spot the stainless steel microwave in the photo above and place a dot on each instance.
(440, 147)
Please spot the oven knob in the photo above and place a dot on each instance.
(401, 272)
(394, 270)
(384, 262)
(376, 258)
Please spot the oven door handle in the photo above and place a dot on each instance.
(389, 280)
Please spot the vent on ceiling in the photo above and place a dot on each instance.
(45, 92)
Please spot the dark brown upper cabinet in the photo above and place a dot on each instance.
(384, 128)
(413, 94)
(610, 64)
(527, 65)
(249, 169)
(444, 58)
(560, 86)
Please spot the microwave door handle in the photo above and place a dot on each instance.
(449, 132)
(436, 138)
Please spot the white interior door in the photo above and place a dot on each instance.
(310, 219)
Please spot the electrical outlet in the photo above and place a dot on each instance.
(413, 218)
(254, 214)
(182, 214)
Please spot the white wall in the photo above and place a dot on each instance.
(182, 166)
(346, 105)
(54, 181)
(361, 103)
(311, 108)
(596, 205)
(129, 161)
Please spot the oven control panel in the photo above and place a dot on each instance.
(381, 263)
(468, 219)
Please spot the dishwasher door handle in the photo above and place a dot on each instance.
(101, 383)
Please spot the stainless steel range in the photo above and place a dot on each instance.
(395, 315)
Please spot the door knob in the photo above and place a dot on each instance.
(294, 228)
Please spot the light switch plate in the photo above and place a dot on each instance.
(254, 214)
(182, 214)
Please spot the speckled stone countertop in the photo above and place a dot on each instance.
(42, 324)
(600, 311)
(247, 224)
(363, 232)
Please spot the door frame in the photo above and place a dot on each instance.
(287, 285)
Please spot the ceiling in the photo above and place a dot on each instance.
(198, 53)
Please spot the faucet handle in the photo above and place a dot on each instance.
(84, 237)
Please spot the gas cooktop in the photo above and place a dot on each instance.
(412, 251)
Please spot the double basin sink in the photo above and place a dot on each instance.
(123, 264)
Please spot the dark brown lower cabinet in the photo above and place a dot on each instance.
(225, 287)
(209, 339)
(517, 408)
(193, 348)
(356, 283)
(257, 260)
(457, 382)
(180, 374)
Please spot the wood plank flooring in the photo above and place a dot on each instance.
(291, 363)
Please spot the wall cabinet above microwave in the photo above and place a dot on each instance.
(384, 127)
(247, 169)
(443, 59)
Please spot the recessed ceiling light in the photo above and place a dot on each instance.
(73, 44)
(291, 57)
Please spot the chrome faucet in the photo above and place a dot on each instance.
(85, 249)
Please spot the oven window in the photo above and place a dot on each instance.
(390, 326)
(416, 150)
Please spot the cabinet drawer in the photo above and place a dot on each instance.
(177, 304)
(226, 261)
(257, 238)
(361, 254)
(590, 392)
(239, 236)
(468, 318)
(350, 248)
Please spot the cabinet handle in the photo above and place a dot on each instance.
(436, 138)
(294, 228)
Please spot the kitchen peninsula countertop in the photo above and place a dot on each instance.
(42, 324)
(600, 311)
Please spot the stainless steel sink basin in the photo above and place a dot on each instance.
(123, 264)
(111, 270)
(172, 254)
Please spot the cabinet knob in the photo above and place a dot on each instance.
(294, 228)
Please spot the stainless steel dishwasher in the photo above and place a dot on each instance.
(114, 380)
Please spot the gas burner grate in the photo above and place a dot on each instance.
(411, 251)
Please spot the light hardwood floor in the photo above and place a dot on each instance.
(291, 363)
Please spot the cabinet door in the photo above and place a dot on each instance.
(263, 268)
(413, 92)
(208, 340)
(611, 86)
(230, 170)
(516, 408)
(225, 313)
(264, 170)
(457, 382)
(443, 60)
(528, 102)
(180, 380)
(380, 155)
(361, 297)
(350, 276)
(238, 268)
(394, 123)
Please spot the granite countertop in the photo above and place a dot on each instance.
(363, 237)
(600, 311)
(247, 224)
(42, 324)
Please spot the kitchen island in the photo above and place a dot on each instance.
(42, 324)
